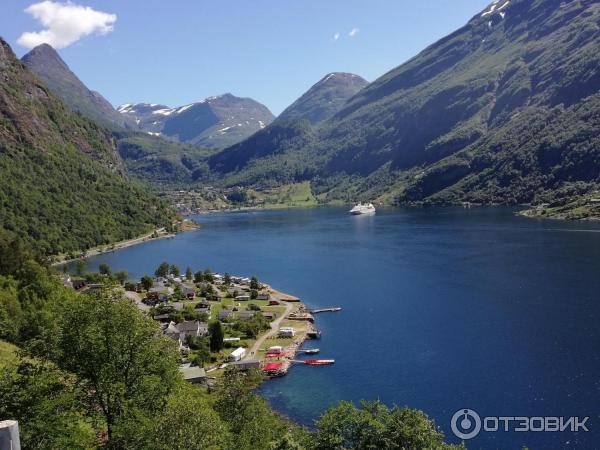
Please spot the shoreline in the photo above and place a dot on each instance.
(155, 235)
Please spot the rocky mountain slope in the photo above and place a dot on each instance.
(325, 98)
(61, 183)
(504, 110)
(216, 122)
(46, 63)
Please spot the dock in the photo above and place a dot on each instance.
(322, 310)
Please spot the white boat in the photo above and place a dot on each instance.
(366, 208)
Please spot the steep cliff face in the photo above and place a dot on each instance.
(46, 63)
(61, 183)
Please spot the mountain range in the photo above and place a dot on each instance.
(216, 122)
(504, 110)
(63, 186)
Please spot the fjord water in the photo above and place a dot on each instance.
(443, 309)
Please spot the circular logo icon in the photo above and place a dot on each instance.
(466, 424)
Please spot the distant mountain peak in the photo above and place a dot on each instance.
(45, 62)
(217, 122)
(325, 98)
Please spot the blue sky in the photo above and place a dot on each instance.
(177, 52)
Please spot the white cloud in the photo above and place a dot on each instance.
(65, 23)
(336, 36)
(353, 32)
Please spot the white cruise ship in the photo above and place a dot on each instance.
(366, 208)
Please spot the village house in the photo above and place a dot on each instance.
(224, 314)
(194, 375)
(246, 364)
(271, 315)
(246, 315)
(263, 296)
(179, 331)
(287, 332)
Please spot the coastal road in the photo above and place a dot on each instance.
(252, 351)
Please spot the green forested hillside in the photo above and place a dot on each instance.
(324, 99)
(503, 110)
(61, 183)
(162, 162)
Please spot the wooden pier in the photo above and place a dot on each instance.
(322, 310)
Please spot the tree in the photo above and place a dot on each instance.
(373, 425)
(147, 282)
(49, 405)
(80, 267)
(104, 269)
(163, 270)
(254, 284)
(253, 294)
(189, 275)
(122, 276)
(208, 276)
(174, 270)
(188, 422)
(216, 336)
(199, 277)
(227, 279)
(125, 368)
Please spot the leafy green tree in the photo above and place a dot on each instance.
(147, 282)
(122, 276)
(254, 284)
(199, 277)
(11, 314)
(188, 422)
(227, 279)
(104, 269)
(162, 270)
(208, 276)
(253, 326)
(253, 294)
(375, 426)
(124, 367)
(174, 270)
(215, 330)
(49, 405)
(189, 275)
(252, 422)
(80, 267)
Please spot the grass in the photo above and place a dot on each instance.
(298, 195)
(7, 353)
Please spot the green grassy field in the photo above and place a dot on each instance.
(297, 195)
(7, 353)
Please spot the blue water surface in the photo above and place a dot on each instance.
(443, 309)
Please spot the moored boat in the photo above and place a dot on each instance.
(319, 362)
(311, 351)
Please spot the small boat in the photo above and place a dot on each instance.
(319, 362)
(361, 208)
(311, 351)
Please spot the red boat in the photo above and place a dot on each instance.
(319, 362)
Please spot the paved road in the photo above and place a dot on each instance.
(252, 351)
